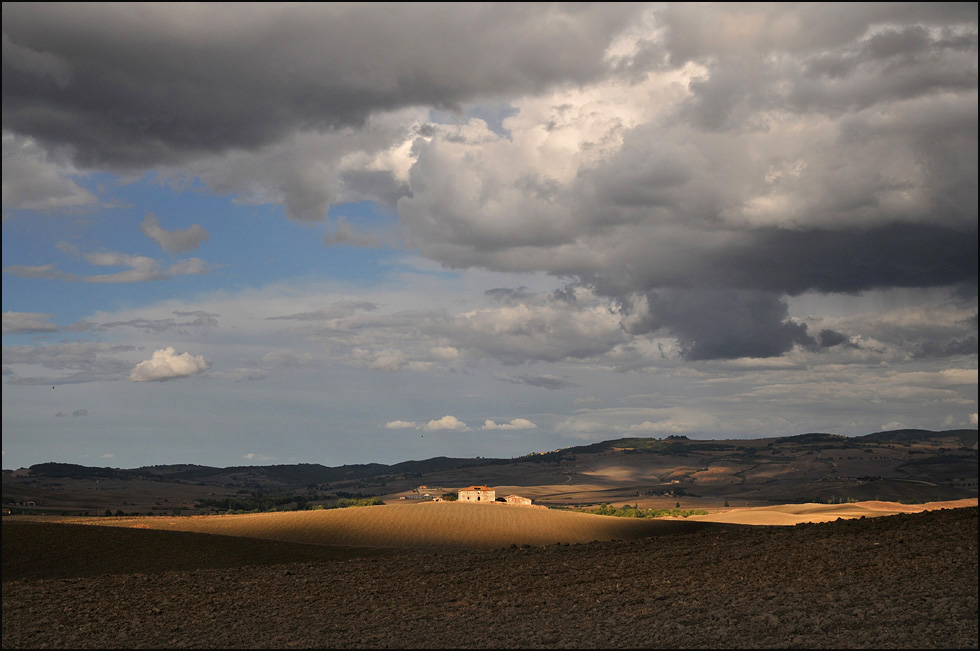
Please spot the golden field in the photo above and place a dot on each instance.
(455, 525)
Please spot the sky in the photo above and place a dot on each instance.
(355, 233)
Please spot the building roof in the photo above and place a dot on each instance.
(477, 488)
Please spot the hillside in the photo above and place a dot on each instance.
(901, 466)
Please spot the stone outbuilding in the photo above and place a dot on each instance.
(517, 499)
(477, 494)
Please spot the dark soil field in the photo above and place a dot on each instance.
(901, 581)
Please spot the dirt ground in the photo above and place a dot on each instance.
(901, 581)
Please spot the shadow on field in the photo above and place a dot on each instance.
(39, 550)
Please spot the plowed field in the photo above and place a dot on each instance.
(900, 581)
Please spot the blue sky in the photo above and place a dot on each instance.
(351, 233)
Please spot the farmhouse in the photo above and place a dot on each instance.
(488, 495)
(477, 494)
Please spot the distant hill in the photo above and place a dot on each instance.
(900, 465)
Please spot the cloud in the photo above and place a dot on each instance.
(141, 269)
(445, 423)
(252, 456)
(76, 413)
(34, 179)
(201, 319)
(517, 423)
(27, 322)
(345, 235)
(950, 348)
(552, 382)
(167, 364)
(335, 79)
(551, 331)
(178, 241)
(72, 362)
(716, 324)
(401, 424)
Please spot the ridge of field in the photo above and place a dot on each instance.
(447, 525)
(455, 525)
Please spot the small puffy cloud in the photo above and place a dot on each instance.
(401, 424)
(177, 241)
(167, 364)
(517, 423)
(445, 423)
(973, 418)
(892, 425)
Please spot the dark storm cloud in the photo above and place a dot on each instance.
(720, 324)
(950, 348)
(830, 338)
(130, 86)
(848, 261)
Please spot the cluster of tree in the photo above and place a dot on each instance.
(346, 502)
(260, 502)
(256, 502)
(633, 511)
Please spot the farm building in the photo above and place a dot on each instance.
(517, 499)
(477, 494)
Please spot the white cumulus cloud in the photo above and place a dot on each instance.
(445, 423)
(401, 424)
(167, 364)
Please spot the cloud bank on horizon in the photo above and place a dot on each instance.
(315, 232)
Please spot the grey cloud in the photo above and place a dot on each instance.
(200, 319)
(338, 310)
(718, 324)
(85, 361)
(244, 76)
(345, 235)
(551, 382)
(27, 322)
(177, 241)
(141, 269)
(829, 338)
(36, 180)
(76, 413)
(509, 295)
(948, 348)
(377, 185)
